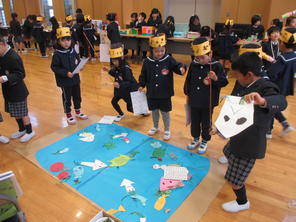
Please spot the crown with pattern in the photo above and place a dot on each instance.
(87, 18)
(69, 18)
(201, 49)
(63, 32)
(259, 51)
(287, 36)
(157, 41)
(39, 18)
(116, 53)
(229, 22)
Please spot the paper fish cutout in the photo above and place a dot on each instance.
(158, 153)
(156, 144)
(64, 175)
(139, 197)
(98, 128)
(109, 145)
(95, 165)
(56, 167)
(173, 172)
(160, 202)
(168, 184)
(87, 137)
(114, 211)
(121, 160)
(234, 116)
(78, 171)
(128, 185)
(120, 135)
(62, 151)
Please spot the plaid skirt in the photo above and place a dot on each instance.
(238, 168)
(17, 109)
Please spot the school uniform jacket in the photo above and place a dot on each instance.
(259, 31)
(140, 24)
(64, 61)
(283, 71)
(194, 28)
(73, 33)
(11, 66)
(224, 44)
(38, 32)
(127, 82)
(251, 143)
(157, 76)
(272, 50)
(197, 91)
(113, 33)
(155, 22)
(89, 32)
(77, 29)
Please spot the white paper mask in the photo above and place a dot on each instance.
(235, 116)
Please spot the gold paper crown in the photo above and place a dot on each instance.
(286, 36)
(157, 41)
(63, 32)
(87, 18)
(201, 49)
(229, 22)
(116, 53)
(39, 18)
(261, 54)
(69, 18)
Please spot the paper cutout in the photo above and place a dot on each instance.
(167, 211)
(173, 156)
(168, 184)
(95, 165)
(126, 140)
(98, 128)
(109, 145)
(160, 202)
(56, 167)
(158, 153)
(234, 116)
(173, 172)
(128, 185)
(107, 119)
(139, 102)
(80, 66)
(78, 171)
(62, 151)
(120, 135)
(87, 137)
(64, 175)
(156, 144)
(143, 219)
(142, 199)
(121, 160)
(114, 211)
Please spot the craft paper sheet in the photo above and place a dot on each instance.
(80, 66)
(139, 101)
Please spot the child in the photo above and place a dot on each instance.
(39, 36)
(113, 31)
(291, 22)
(3, 139)
(157, 76)
(243, 149)
(134, 19)
(70, 25)
(55, 25)
(256, 29)
(168, 27)
(27, 31)
(89, 37)
(277, 23)
(271, 47)
(155, 18)
(282, 73)
(79, 33)
(203, 72)
(194, 24)
(16, 31)
(15, 92)
(141, 20)
(124, 83)
(64, 61)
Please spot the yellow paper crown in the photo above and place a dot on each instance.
(201, 49)
(229, 22)
(116, 53)
(259, 51)
(63, 32)
(87, 18)
(286, 36)
(69, 18)
(39, 18)
(157, 41)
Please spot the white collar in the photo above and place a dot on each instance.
(8, 48)
(153, 60)
(252, 83)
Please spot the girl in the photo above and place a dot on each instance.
(16, 31)
(124, 81)
(89, 38)
(134, 19)
(113, 31)
(256, 29)
(168, 27)
(194, 24)
(27, 31)
(155, 18)
(157, 76)
(141, 20)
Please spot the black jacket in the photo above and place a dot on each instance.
(77, 32)
(127, 82)
(154, 23)
(259, 31)
(38, 33)
(89, 31)
(272, 50)
(27, 28)
(251, 143)
(113, 32)
(11, 65)
(197, 91)
(64, 61)
(194, 28)
(167, 29)
(15, 28)
(224, 45)
(157, 76)
(140, 24)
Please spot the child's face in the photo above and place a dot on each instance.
(257, 23)
(244, 80)
(133, 18)
(274, 36)
(282, 47)
(65, 42)
(3, 48)
(196, 21)
(115, 62)
(204, 59)
(155, 15)
(293, 23)
(159, 52)
(141, 18)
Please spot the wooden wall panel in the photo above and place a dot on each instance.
(87, 6)
(20, 9)
(277, 8)
(7, 11)
(59, 10)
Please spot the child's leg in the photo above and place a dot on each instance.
(92, 52)
(66, 95)
(166, 120)
(27, 124)
(195, 123)
(116, 106)
(42, 48)
(205, 125)
(129, 105)
(241, 194)
(20, 124)
(155, 118)
(76, 96)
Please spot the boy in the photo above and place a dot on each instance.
(282, 73)
(256, 29)
(39, 36)
(64, 61)
(141, 20)
(72, 27)
(134, 18)
(203, 72)
(15, 92)
(89, 38)
(243, 149)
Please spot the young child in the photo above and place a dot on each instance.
(245, 148)
(203, 72)
(55, 25)
(27, 31)
(271, 47)
(79, 33)
(154, 18)
(39, 36)
(256, 29)
(194, 24)
(134, 19)
(16, 31)
(141, 20)
(291, 22)
(15, 92)
(89, 38)
(168, 27)
(157, 77)
(124, 82)
(64, 61)
(282, 73)
(70, 24)
(113, 31)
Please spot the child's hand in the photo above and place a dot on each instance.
(213, 131)
(70, 74)
(106, 69)
(207, 81)
(182, 70)
(270, 59)
(212, 75)
(116, 85)
(258, 100)
(140, 89)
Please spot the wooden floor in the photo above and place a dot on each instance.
(270, 187)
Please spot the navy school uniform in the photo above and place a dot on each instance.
(155, 23)
(127, 84)
(140, 24)
(167, 29)
(89, 39)
(73, 33)
(113, 33)
(64, 61)
(194, 28)
(199, 96)
(224, 45)
(271, 49)
(257, 31)
(40, 37)
(157, 76)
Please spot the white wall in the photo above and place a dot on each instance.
(207, 10)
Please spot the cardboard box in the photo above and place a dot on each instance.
(148, 30)
(193, 35)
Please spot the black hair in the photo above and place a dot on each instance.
(289, 20)
(54, 21)
(14, 16)
(80, 18)
(248, 62)
(199, 40)
(277, 23)
(143, 14)
(273, 29)
(3, 35)
(79, 11)
(192, 18)
(169, 20)
(255, 19)
(34, 17)
(155, 11)
(111, 17)
(206, 31)
(134, 15)
(290, 44)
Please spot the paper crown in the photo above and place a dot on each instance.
(259, 51)
(201, 49)
(69, 18)
(229, 22)
(116, 53)
(87, 18)
(157, 41)
(286, 36)
(63, 32)
(39, 18)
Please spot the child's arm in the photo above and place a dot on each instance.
(143, 77)
(57, 68)
(187, 82)
(129, 78)
(218, 77)
(276, 69)
(177, 67)
(16, 74)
